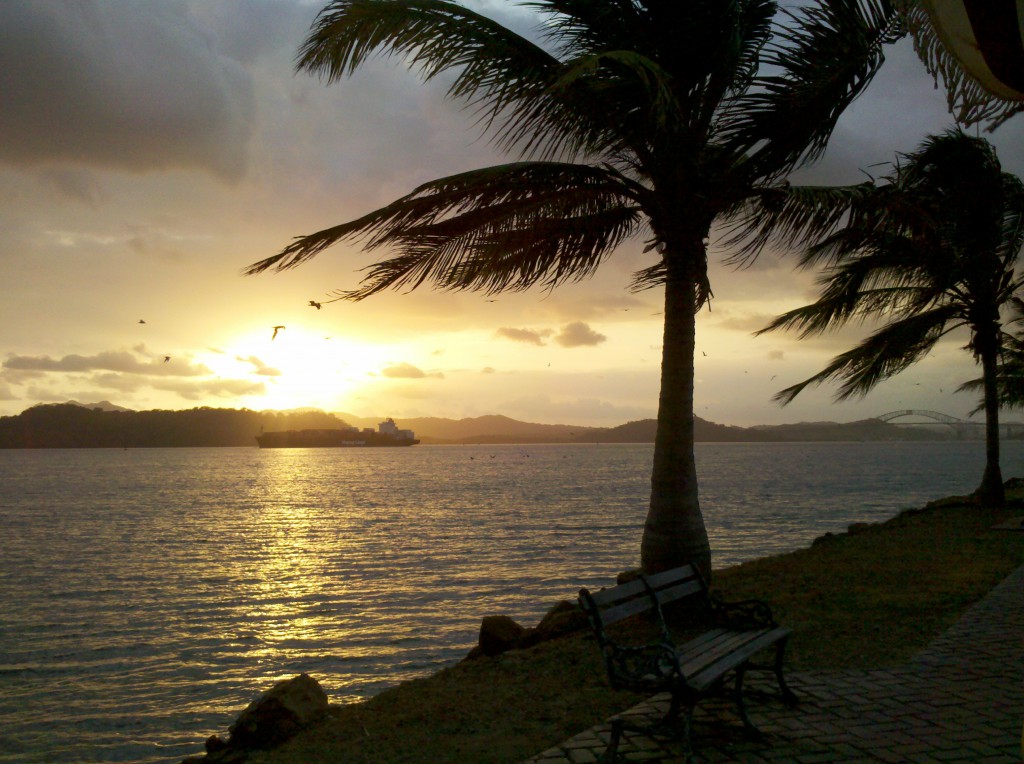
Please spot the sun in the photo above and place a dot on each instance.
(298, 368)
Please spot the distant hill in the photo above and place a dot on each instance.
(106, 425)
(71, 425)
(502, 429)
(102, 405)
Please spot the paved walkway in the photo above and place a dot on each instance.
(959, 700)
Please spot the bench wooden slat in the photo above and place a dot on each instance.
(625, 610)
(714, 672)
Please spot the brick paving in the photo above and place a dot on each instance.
(960, 700)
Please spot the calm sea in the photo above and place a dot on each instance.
(149, 595)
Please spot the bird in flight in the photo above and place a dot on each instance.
(167, 358)
(142, 320)
(315, 304)
(276, 330)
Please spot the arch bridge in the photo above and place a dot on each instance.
(964, 427)
(935, 416)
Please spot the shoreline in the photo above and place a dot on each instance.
(553, 689)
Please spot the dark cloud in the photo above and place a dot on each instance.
(530, 336)
(578, 334)
(121, 84)
(75, 185)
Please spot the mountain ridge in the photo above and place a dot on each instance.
(105, 425)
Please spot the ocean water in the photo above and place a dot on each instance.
(148, 595)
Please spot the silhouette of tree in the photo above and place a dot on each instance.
(1010, 370)
(930, 248)
(632, 118)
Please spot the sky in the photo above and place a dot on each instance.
(149, 151)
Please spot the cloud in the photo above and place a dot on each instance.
(578, 334)
(218, 388)
(121, 361)
(408, 371)
(530, 336)
(261, 368)
(599, 412)
(76, 185)
(121, 84)
(487, 370)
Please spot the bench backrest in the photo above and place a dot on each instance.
(645, 593)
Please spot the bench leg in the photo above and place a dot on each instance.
(788, 696)
(741, 706)
(611, 753)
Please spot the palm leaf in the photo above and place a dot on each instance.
(884, 354)
(502, 227)
(821, 58)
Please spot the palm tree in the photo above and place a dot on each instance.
(630, 118)
(931, 248)
(1010, 371)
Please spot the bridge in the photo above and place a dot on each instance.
(962, 426)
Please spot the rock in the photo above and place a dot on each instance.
(215, 743)
(499, 633)
(827, 538)
(628, 575)
(854, 528)
(278, 714)
(952, 501)
(562, 618)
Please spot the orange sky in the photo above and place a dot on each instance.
(150, 151)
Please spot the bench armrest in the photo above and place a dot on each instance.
(745, 614)
(642, 667)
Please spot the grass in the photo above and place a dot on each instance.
(866, 599)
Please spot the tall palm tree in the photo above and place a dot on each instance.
(630, 118)
(1010, 371)
(932, 247)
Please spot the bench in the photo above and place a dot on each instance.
(729, 636)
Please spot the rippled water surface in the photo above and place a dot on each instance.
(149, 595)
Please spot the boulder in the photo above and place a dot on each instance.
(278, 714)
(562, 618)
(498, 634)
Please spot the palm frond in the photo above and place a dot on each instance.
(821, 58)
(884, 354)
(504, 77)
(503, 227)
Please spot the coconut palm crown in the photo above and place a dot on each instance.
(626, 119)
(930, 248)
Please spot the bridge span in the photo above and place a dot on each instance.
(962, 426)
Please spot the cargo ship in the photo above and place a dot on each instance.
(387, 434)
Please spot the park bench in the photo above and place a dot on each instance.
(724, 637)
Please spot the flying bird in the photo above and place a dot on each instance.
(315, 304)
(167, 358)
(142, 321)
(276, 330)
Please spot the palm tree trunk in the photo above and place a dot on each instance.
(990, 492)
(674, 533)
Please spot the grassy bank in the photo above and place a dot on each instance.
(869, 598)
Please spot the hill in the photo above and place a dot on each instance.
(106, 425)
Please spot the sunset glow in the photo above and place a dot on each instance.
(123, 244)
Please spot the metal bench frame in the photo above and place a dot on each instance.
(690, 672)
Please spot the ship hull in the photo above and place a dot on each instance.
(330, 439)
